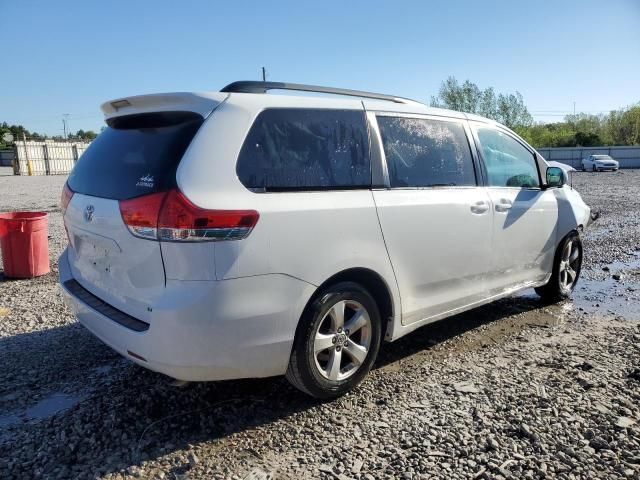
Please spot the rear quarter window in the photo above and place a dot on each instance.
(135, 155)
(306, 149)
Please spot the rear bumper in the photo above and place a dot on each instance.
(205, 330)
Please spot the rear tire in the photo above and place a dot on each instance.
(336, 342)
(567, 264)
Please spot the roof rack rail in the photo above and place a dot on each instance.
(250, 86)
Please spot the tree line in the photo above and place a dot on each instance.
(18, 130)
(618, 127)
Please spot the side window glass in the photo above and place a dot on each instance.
(426, 153)
(306, 149)
(508, 162)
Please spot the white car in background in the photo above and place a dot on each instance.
(238, 234)
(598, 163)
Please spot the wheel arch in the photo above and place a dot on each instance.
(551, 290)
(574, 231)
(374, 283)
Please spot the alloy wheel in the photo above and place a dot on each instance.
(342, 340)
(570, 264)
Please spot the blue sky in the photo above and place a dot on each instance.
(68, 57)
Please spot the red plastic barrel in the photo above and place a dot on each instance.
(24, 243)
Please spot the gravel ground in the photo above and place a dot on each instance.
(512, 390)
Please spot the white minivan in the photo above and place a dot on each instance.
(243, 233)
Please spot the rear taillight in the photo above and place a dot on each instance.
(65, 198)
(171, 217)
(141, 214)
(181, 220)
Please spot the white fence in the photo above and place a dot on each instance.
(58, 158)
(629, 157)
(47, 157)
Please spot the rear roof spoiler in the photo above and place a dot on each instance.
(201, 103)
(248, 86)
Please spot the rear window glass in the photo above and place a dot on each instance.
(306, 149)
(135, 155)
(426, 153)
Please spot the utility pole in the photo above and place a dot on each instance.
(574, 109)
(264, 75)
(26, 154)
(65, 125)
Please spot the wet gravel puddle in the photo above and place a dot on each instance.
(47, 407)
(610, 293)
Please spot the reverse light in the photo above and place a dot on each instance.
(65, 198)
(171, 217)
(181, 220)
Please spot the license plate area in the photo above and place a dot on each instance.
(95, 250)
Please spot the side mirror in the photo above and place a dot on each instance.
(555, 177)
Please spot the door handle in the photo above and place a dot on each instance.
(503, 205)
(480, 207)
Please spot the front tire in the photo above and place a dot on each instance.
(567, 264)
(336, 342)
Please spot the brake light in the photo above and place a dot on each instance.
(181, 220)
(65, 198)
(140, 214)
(171, 217)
